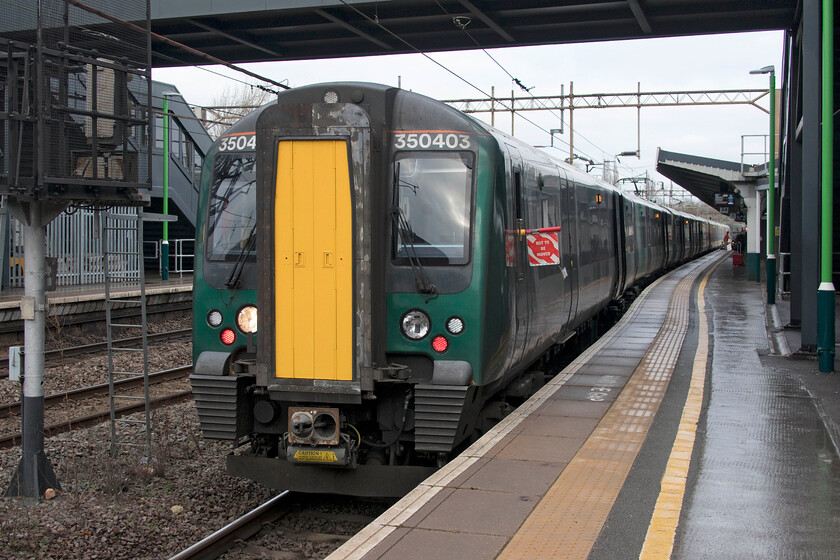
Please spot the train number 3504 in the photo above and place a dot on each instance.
(238, 143)
(432, 141)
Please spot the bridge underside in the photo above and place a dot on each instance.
(270, 30)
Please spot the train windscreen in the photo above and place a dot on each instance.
(232, 212)
(434, 199)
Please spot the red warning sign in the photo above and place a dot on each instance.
(543, 249)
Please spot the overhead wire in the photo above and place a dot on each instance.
(456, 20)
(477, 88)
(444, 67)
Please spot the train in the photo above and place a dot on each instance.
(379, 278)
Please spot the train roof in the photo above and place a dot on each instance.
(353, 92)
(248, 124)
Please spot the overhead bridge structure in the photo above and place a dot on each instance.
(253, 31)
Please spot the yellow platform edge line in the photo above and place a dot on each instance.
(662, 531)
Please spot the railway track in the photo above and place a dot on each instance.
(290, 526)
(61, 353)
(11, 409)
(86, 319)
(243, 528)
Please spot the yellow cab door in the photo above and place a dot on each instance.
(313, 245)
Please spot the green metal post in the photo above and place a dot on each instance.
(164, 244)
(771, 197)
(825, 295)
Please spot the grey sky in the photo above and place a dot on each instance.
(679, 64)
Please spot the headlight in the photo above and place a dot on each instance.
(246, 319)
(455, 325)
(214, 318)
(415, 324)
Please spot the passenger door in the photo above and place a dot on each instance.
(569, 219)
(618, 225)
(520, 285)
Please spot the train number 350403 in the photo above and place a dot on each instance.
(432, 141)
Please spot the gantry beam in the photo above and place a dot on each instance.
(612, 100)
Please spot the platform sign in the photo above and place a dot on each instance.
(543, 249)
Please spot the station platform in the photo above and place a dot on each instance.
(79, 303)
(677, 435)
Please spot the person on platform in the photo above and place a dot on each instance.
(741, 241)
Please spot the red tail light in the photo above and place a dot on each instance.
(228, 336)
(440, 344)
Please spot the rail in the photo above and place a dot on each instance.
(97, 347)
(97, 417)
(785, 271)
(784, 274)
(246, 526)
(8, 410)
(181, 258)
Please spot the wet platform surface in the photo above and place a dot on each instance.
(675, 436)
(767, 479)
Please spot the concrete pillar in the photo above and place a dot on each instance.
(753, 250)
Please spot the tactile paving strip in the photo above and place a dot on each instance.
(569, 518)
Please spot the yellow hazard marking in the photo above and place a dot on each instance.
(659, 542)
(313, 243)
(315, 456)
(571, 515)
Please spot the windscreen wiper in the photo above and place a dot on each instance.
(404, 232)
(233, 281)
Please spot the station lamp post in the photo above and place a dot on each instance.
(825, 293)
(771, 188)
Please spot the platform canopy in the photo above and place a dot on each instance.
(716, 182)
(263, 30)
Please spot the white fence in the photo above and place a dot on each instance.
(74, 239)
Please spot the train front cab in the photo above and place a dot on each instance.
(356, 351)
(314, 351)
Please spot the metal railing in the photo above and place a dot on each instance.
(73, 239)
(784, 274)
(750, 160)
(181, 258)
(184, 259)
(783, 286)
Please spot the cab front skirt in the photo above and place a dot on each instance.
(381, 481)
